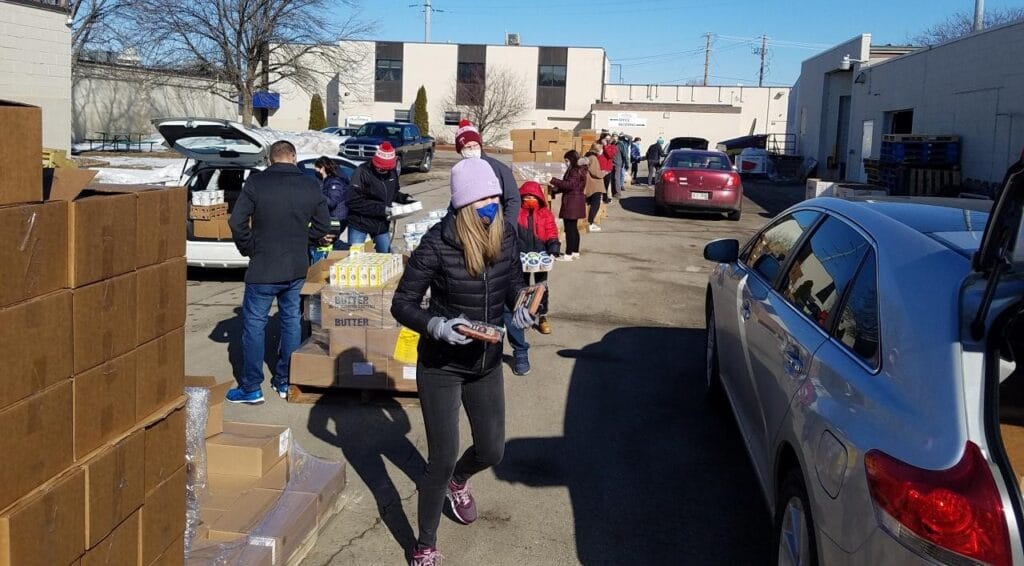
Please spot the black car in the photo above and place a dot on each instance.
(687, 143)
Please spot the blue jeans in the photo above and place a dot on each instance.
(380, 241)
(255, 312)
(516, 336)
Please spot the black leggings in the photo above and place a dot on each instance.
(572, 235)
(608, 183)
(441, 393)
(594, 202)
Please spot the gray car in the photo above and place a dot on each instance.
(867, 350)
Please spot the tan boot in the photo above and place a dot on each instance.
(543, 326)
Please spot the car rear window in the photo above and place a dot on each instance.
(699, 161)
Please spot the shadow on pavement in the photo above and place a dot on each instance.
(369, 434)
(773, 197)
(229, 331)
(655, 474)
(215, 274)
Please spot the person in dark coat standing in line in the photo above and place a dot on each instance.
(374, 187)
(469, 262)
(335, 189)
(655, 155)
(279, 212)
(469, 145)
(572, 186)
(634, 157)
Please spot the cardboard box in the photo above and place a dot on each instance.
(120, 547)
(215, 416)
(33, 249)
(313, 365)
(163, 517)
(546, 136)
(161, 299)
(103, 235)
(105, 321)
(35, 345)
(247, 449)
(207, 212)
(222, 490)
(276, 478)
(213, 229)
(292, 519)
(47, 527)
(522, 156)
(160, 372)
(21, 144)
(161, 225)
(104, 403)
(37, 421)
(165, 444)
(206, 552)
(323, 478)
(114, 486)
(521, 136)
(354, 307)
(542, 145)
(248, 510)
(174, 555)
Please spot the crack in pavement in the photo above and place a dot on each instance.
(376, 523)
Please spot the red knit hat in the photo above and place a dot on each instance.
(466, 133)
(385, 157)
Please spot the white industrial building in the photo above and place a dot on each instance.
(35, 62)
(972, 87)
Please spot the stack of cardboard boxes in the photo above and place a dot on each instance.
(92, 310)
(264, 496)
(355, 342)
(210, 221)
(548, 146)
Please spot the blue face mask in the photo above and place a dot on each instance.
(488, 212)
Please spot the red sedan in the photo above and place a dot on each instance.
(699, 181)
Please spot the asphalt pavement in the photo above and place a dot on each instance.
(612, 457)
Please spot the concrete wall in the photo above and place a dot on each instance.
(115, 99)
(761, 111)
(35, 66)
(434, 66)
(973, 88)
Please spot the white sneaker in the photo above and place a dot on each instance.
(595, 228)
(564, 257)
(576, 255)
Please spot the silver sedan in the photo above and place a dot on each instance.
(867, 350)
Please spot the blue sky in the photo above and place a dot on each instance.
(662, 41)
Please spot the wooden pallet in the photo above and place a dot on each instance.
(56, 158)
(926, 182)
(310, 395)
(918, 138)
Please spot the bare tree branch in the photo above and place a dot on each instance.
(494, 104)
(961, 24)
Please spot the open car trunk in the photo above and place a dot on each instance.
(1007, 354)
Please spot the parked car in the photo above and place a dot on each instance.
(342, 132)
(879, 440)
(735, 146)
(412, 148)
(752, 161)
(687, 143)
(698, 181)
(221, 154)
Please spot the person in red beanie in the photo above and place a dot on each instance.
(469, 145)
(373, 188)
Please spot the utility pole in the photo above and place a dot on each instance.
(427, 8)
(707, 56)
(979, 15)
(764, 51)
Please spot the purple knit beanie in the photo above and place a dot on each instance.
(472, 180)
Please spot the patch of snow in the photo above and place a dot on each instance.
(112, 175)
(319, 143)
(142, 162)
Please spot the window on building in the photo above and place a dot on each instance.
(551, 75)
(552, 66)
(402, 116)
(388, 67)
(471, 73)
(900, 122)
(452, 118)
(389, 70)
(470, 84)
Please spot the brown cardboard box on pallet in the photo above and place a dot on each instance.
(104, 403)
(21, 141)
(215, 414)
(174, 555)
(161, 299)
(162, 517)
(206, 552)
(222, 490)
(213, 229)
(521, 137)
(114, 486)
(165, 443)
(276, 478)
(522, 156)
(550, 135)
(104, 320)
(41, 420)
(290, 521)
(247, 449)
(103, 231)
(244, 513)
(160, 372)
(161, 228)
(35, 345)
(48, 526)
(313, 365)
(323, 478)
(355, 307)
(207, 212)
(33, 250)
(120, 547)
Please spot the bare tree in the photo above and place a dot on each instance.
(98, 26)
(494, 102)
(961, 24)
(250, 45)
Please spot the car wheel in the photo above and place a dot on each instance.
(713, 378)
(794, 524)
(428, 158)
(734, 215)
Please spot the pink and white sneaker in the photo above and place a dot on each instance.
(426, 556)
(462, 502)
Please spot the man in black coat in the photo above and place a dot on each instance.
(655, 155)
(375, 185)
(280, 211)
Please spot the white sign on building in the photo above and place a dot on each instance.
(626, 120)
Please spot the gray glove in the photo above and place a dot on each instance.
(443, 329)
(522, 319)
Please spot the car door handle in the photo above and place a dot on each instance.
(745, 310)
(794, 365)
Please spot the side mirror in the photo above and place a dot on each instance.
(722, 251)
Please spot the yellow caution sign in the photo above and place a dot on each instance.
(405, 346)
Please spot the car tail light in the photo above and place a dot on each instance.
(668, 177)
(732, 181)
(942, 513)
(748, 165)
